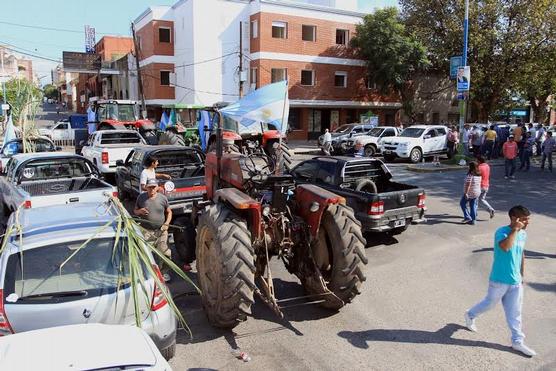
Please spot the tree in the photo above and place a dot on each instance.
(504, 38)
(393, 55)
(50, 91)
(24, 98)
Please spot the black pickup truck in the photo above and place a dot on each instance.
(186, 167)
(380, 204)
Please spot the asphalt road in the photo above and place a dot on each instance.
(410, 313)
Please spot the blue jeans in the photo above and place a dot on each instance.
(470, 214)
(526, 160)
(509, 166)
(512, 301)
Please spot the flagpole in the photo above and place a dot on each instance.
(279, 159)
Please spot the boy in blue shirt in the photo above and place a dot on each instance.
(506, 277)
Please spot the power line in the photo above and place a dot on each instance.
(33, 55)
(47, 28)
(205, 61)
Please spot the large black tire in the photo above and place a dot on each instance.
(150, 137)
(287, 156)
(340, 253)
(370, 150)
(122, 194)
(366, 185)
(416, 155)
(184, 240)
(225, 266)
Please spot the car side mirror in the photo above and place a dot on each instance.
(427, 136)
(120, 163)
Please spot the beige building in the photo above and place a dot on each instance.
(14, 66)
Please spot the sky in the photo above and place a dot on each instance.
(111, 17)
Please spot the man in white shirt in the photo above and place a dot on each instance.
(149, 173)
(91, 119)
(327, 137)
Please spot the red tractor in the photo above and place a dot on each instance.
(254, 215)
(123, 114)
(261, 138)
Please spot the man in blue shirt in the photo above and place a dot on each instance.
(506, 277)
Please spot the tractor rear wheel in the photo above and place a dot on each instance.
(225, 266)
(287, 155)
(340, 253)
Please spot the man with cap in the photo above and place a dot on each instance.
(509, 150)
(154, 210)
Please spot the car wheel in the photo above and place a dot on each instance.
(416, 155)
(370, 150)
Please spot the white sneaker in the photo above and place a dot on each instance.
(470, 322)
(520, 347)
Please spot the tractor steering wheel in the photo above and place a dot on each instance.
(254, 170)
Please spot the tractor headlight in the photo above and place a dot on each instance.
(266, 211)
(315, 206)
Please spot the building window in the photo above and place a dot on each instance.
(340, 79)
(370, 85)
(294, 119)
(342, 37)
(307, 77)
(253, 78)
(164, 35)
(254, 29)
(278, 74)
(308, 33)
(165, 78)
(279, 30)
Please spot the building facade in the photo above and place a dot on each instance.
(14, 66)
(200, 52)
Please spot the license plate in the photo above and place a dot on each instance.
(399, 223)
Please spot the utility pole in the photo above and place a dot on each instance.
(139, 79)
(240, 59)
(463, 102)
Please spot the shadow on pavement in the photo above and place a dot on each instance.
(528, 253)
(543, 287)
(433, 219)
(360, 339)
(376, 239)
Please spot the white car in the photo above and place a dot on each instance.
(416, 142)
(372, 141)
(61, 130)
(81, 347)
(104, 148)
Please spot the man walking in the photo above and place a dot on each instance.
(477, 140)
(540, 137)
(490, 139)
(465, 139)
(548, 148)
(506, 278)
(484, 169)
(154, 209)
(509, 150)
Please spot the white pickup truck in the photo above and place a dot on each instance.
(372, 141)
(46, 179)
(105, 147)
(61, 130)
(416, 142)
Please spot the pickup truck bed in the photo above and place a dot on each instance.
(59, 186)
(380, 204)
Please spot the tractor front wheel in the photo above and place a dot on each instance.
(225, 266)
(340, 253)
(286, 158)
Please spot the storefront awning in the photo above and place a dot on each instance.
(342, 104)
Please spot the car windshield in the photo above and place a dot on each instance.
(412, 133)
(65, 268)
(375, 132)
(343, 129)
(120, 138)
(54, 168)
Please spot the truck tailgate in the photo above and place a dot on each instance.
(186, 191)
(115, 152)
(404, 196)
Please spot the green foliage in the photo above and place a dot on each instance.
(24, 98)
(393, 54)
(505, 38)
(50, 91)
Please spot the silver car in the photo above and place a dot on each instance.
(40, 287)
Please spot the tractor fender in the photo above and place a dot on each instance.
(270, 135)
(144, 125)
(243, 204)
(306, 195)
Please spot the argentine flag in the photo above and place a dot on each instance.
(268, 104)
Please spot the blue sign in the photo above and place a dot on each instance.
(455, 63)
(518, 112)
